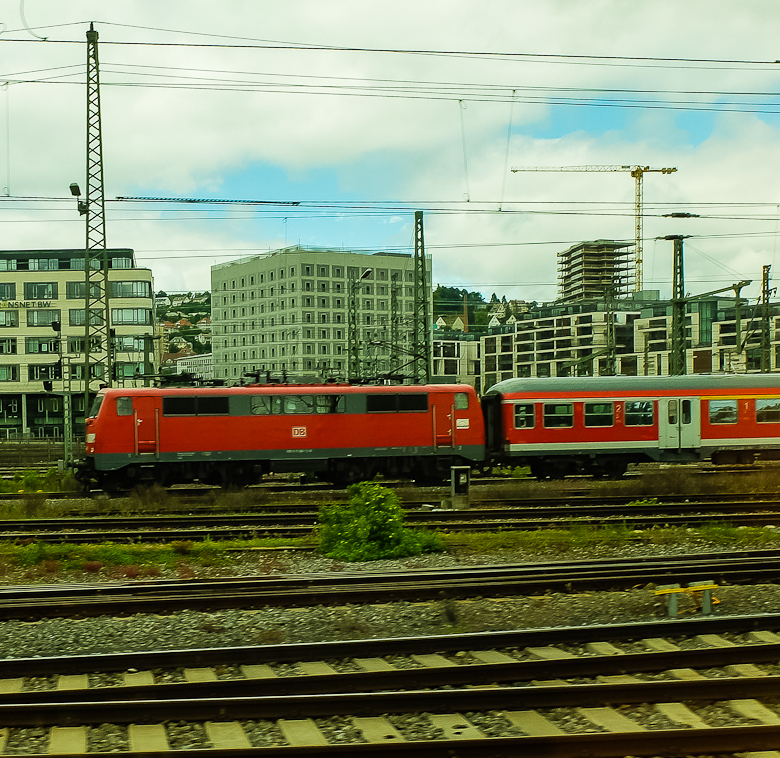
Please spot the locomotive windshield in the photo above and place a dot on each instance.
(96, 403)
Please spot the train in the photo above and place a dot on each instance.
(344, 433)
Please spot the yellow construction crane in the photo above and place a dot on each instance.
(637, 172)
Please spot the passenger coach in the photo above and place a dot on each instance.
(598, 425)
(234, 435)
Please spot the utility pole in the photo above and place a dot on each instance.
(766, 338)
(97, 313)
(677, 355)
(421, 349)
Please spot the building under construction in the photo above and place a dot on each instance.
(599, 270)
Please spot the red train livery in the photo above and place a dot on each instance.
(234, 435)
(598, 425)
(345, 433)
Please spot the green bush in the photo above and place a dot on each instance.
(370, 527)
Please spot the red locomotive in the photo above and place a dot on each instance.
(598, 425)
(234, 435)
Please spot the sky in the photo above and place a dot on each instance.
(345, 117)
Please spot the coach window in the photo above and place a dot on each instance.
(558, 415)
(685, 411)
(768, 411)
(524, 416)
(672, 411)
(723, 411)
(639, 413)
(599, 414)
(124, 406)
(461, 401)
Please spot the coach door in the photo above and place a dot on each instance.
(679, 423)
(147, 424)
(442, 412)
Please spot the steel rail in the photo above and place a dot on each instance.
(307, 590)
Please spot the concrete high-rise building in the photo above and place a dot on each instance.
(42, 332)
(287, 313)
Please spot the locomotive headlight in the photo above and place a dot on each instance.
(91, 437)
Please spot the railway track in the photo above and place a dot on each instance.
(301, 590)
(297, 520)
(651, 689)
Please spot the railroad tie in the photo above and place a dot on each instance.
(745, 669)
(147, 738)
(762, 754)
(752, 709)
(316, 668)
(377, 729)
(227, 735)
(200, 675)
(686, 674)
(9, 686)
(681, 714)
(455, 726)
(66, 740)
(611, 720)
(660, 645)
(301, 732)
(433, 661)
(617, 679)
(767, 637)
(603, 648)
(492, 656)
(374, 664)
(138, 678)
(4, 734)
(549, 653)
(532, 723)
(714, 640)
(73, 682)
(258, 671)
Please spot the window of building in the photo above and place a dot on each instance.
(76, 316)
(8, 346)
(130, 289)
(599, 414)
(75, 290)
(9, 373)
(42, 317)
(120, 316)
(7, 291)
(639, 413)
(121, 263)
(767, 410)
(34, 345)
(40, 290)
(724, 411)
(127, 370)
(9, 318)
(7, 264)
(44, 264)
(40, 372)
(558, 415)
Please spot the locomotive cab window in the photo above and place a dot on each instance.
(124, 406)
(723, 411)
(768, 411)
(558, 415)
(329, 403)
(260, 406)
(190, 405)
(639, 413)
(461, 401)
(524, 416)
(599, 414)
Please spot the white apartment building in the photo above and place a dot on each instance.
(44, 289)
(286, 313)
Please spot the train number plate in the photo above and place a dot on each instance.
(299, 431)
(461, 423)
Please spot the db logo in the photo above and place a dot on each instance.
(299, 431)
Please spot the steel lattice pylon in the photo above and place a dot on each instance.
(97, 342)
(421, 348)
